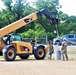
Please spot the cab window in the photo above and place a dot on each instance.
(15, 38)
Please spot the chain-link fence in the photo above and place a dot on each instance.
(39, 40)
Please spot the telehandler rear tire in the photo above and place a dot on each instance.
(10, 54)
(40, 53)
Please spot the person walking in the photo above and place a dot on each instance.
(64, 50)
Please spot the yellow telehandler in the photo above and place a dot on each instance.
(11, 44)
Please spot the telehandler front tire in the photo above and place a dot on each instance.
(10, 54)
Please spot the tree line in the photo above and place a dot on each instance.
(17, 9)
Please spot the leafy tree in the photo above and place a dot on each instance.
(51, 6)
(68, 24)
(39, 28)
(15, 11)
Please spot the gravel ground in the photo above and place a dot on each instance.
(37, 67)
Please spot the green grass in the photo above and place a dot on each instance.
(71, 55)
(72, 52)
(1, 56)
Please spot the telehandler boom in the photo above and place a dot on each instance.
(11, 45)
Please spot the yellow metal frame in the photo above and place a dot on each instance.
(47, 48)
(2, 44)
(16, 25)
(23, 44)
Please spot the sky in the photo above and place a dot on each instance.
(1, 5)
(68, 6)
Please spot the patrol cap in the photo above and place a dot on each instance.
(64, 39)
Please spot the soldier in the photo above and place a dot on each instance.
(51, 51)
(64, 50)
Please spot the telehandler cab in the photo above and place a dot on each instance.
(11, 44)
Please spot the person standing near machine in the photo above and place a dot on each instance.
(64, 50)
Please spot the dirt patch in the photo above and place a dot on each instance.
(37, 67)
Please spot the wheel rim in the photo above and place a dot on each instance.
(40, 53)
(10, 53)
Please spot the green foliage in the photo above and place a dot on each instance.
(37, 32)
(68, 25)
(29, 33)
(41, 27)
(50, 35)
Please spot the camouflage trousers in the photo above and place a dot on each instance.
(64, 55)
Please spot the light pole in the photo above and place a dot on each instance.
(57, 30)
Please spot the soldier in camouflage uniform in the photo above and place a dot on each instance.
(64, 50)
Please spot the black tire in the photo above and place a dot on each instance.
(40, 53)
(24, 56)
(10, 54)
(58, 43)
